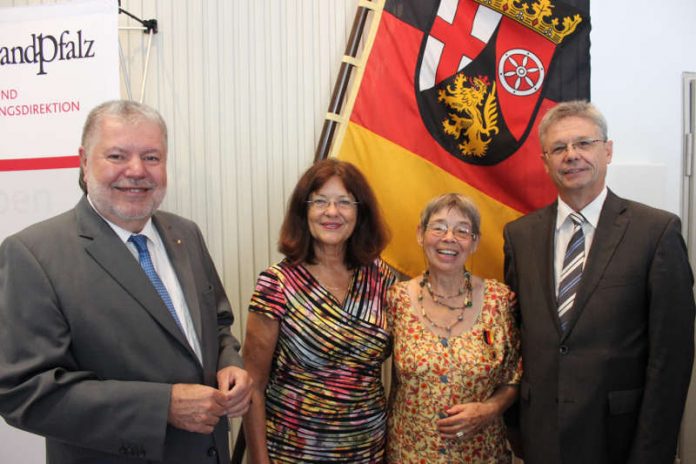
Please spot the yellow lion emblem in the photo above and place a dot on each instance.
(475, 119)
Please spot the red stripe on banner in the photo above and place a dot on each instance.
(36, 164)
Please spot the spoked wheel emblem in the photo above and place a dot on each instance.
(520, 72)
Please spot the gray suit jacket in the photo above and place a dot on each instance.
(88, 350)
(612, 388)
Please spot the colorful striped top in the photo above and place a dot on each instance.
(325, 401)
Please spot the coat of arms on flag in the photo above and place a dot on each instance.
(448, 100)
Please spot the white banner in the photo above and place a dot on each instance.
(57, 62)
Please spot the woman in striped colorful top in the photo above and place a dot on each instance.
(316, 334)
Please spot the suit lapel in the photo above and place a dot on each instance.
(610, 230)
(545, 251)
(181, 261)
(107, 249)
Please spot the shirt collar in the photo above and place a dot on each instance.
(148, 230)
(591, 212)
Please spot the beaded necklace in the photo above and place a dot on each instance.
(465, 290)
(460, 317)
(447, 328)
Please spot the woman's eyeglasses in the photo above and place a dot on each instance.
(461, 233)
(342, 204)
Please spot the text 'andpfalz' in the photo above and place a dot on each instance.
(47, 48)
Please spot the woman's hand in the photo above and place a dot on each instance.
(512, 299)
(466, 419)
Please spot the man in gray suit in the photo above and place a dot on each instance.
(115, 338)
(604, 288)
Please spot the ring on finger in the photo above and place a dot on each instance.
(459, 434)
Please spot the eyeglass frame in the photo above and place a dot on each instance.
(341, 204)
(440, 229)
(576, 146)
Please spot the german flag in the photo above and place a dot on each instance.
(448, 101)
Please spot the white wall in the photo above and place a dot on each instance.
(639, 50)
(244, 86)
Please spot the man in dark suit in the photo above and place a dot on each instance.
(115, 338)
(604, 288)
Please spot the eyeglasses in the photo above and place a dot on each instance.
(461, 233)
(581, 146)
(342, 204)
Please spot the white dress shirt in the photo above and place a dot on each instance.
(564, 229)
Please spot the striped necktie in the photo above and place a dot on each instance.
(140, 242)
(572, 270)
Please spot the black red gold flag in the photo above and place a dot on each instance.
(449, 100)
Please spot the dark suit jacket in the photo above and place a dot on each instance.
(88, 350)
(612, 389)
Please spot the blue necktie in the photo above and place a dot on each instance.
(140, 242)
(572, 270)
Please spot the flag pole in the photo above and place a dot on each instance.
(342, 81)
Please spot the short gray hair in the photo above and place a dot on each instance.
(452, 201)
(575, 108)
(125, 110)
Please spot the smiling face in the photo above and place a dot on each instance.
(579, 175)
(447, 253)
(125, 170)
(332, 226)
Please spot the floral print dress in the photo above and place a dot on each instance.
(435, 373)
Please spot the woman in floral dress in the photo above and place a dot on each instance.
(456, 349)
(317, 334)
